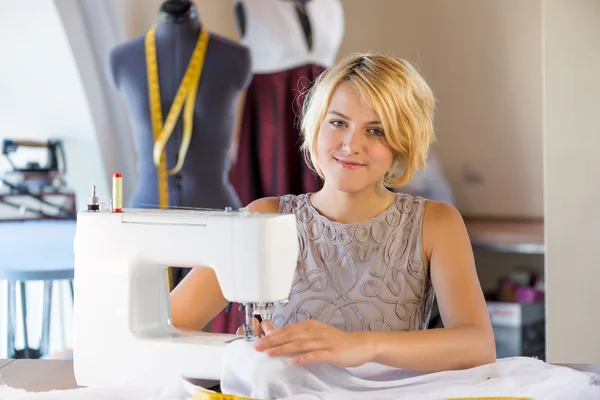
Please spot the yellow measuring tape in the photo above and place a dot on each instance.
(185, 94)
(204, 395)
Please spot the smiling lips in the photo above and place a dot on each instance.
(347, 164)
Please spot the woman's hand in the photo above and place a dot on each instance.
(314, 342)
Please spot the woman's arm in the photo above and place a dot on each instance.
(467, 339)
(198, 297)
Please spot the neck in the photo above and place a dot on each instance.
(352, 208)
(176, 27)
(177, 10)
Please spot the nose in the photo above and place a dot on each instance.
(352, 141)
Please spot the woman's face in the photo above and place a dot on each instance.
(352, 150)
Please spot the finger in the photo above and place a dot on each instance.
(256, 328)
(296, 347)
(267, 327)
(289, 330)
(278, 338)
(317, 356)
(258, 331)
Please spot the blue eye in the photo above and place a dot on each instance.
(376, 132)
(337, 123)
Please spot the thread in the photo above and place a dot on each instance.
(117, 192)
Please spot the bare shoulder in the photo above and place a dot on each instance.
(264, 205)
(437, 212)
(442, 224)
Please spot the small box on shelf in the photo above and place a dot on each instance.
(519, 329)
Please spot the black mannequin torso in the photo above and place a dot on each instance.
(203, 179)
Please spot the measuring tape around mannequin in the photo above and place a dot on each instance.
(185, 94)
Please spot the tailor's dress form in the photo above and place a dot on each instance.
(288, 52)
(203, 180)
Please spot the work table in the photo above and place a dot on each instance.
(38, 375)
(46, 375)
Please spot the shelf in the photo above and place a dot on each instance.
(524, 236)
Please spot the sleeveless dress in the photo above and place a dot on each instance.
(284, 65)
(288, 53)
(369, 276)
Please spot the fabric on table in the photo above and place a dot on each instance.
(253, 374)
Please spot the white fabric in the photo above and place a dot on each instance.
(275, 38)
(251, 374)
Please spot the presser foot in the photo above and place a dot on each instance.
(264, 310)
(249, 334)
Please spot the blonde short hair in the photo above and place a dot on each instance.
(399, 96)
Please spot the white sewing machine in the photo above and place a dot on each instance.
(122, 325)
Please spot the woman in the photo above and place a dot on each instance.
(370, 259)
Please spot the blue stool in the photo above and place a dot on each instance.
(36, 250)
